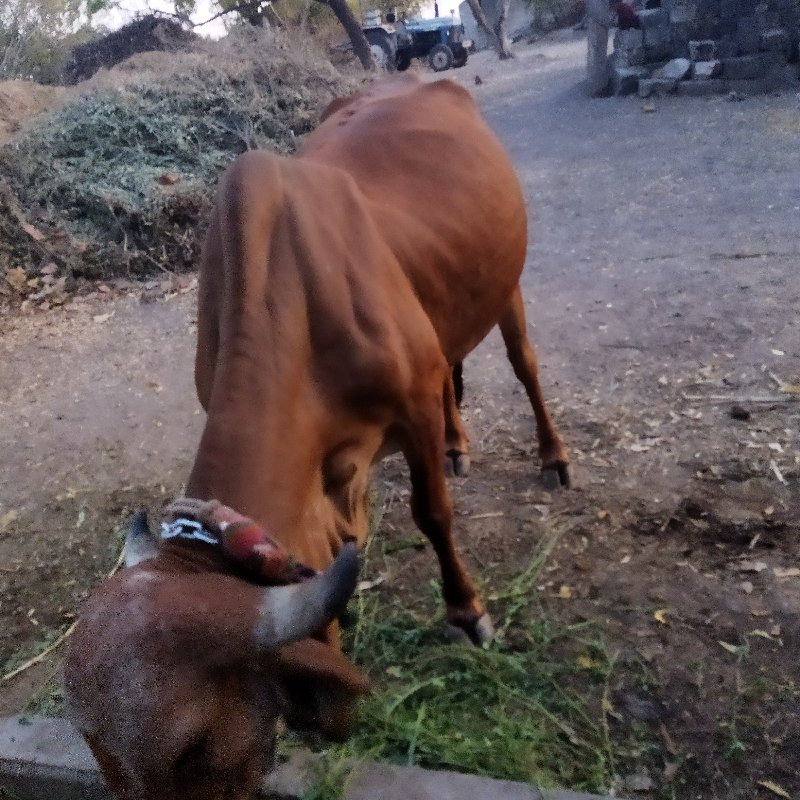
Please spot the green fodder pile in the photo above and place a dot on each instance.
(118, 182)
(532, 706)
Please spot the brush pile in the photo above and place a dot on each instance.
(117, 183)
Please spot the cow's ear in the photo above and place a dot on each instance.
(319, 687)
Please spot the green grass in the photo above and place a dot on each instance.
(531, 707)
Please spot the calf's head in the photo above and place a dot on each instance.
(179, 670)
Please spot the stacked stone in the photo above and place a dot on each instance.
(701, 47)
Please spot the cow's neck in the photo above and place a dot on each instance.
(257, 450)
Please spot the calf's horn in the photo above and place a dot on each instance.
(140, 543)
(293, 612)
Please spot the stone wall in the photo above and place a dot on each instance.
(708, 46)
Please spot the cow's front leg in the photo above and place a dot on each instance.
(433, 513)
(455, 435)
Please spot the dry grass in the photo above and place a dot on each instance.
(87, 177)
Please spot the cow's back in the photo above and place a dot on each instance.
(443, 192)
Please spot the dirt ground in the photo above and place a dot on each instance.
(662, 290)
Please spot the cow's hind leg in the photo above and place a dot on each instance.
(455, 435)
(523, 360)
(433, 514)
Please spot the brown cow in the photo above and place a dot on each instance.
(338, 289)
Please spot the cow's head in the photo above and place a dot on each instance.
(178, 671)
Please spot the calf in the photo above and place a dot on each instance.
(338, 291)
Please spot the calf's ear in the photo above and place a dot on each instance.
(319, 687)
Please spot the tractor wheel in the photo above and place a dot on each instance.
(403, 61)
(440, 58)
(460, 57)
(382, 47)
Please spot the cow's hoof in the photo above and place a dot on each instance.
(457, 463)
(556, 474)
(479, 632)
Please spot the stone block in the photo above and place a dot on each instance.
(657, 86)
(706, 70)
(705, 50)
(726, 48)
(748, 36)
(776, 41)
(750, 67)
(625, 80)
(707, 88)
(657, 44)
(675, 70)
(653, 18)
(628, 40)
(683, 11)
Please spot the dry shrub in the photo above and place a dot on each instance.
(118, 182)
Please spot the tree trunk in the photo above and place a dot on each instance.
(501, 29)
(353, 29)
(597, 72)
(480, 18)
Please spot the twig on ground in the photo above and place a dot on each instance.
(723, 398)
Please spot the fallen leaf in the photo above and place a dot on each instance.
(786, 572)
(762, 634)
(365, 586)
(7, 518)
(17, 278)
(625, 559)
(602, 513)
(759, 612)
(773, 787)
(661, 615)
(752, 566)
(99, 318)
(49, 269)
(154, 385)
(747, 587)
(669, 743)
(607, 706)
(639, 781)
(565, 593)
(776, 470)
(168, 179)
(670, 771)
(775, 630)
(731, 648)
(777, 352)
(34, 233)
(584, 662)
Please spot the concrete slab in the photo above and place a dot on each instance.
(370, 781)
(47, 758)
(43, 758)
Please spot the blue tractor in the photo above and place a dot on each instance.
(394, 43)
